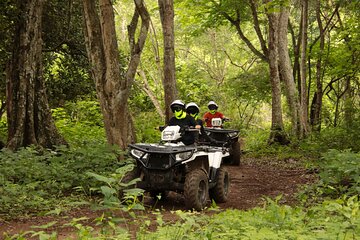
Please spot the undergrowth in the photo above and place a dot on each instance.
(33, 180)
(332, 219)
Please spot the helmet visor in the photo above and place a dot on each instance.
(192, 110)
(176, 108)
(212, 107)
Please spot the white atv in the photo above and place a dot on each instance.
(196, 171)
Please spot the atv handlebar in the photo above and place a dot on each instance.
(184, 128)
(226, 120)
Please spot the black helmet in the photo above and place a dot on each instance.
(177, 105)
(192, 108)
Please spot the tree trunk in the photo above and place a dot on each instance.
(349, 107)
(146, 88)
(28, 112)
(316, 106)
(166, 8)
(112, 85)
(286, 70)
(304, 128)
(277, 134)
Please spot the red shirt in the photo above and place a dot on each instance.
(208, 116)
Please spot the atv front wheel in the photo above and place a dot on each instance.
(128, 177)
(196, 190)
(221, 190)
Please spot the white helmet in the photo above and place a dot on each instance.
(212, 103)
(177, 103)
(192, 108)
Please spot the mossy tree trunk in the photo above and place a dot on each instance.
(28, 112)
(166, 8)
(277, 134)
(112, 84)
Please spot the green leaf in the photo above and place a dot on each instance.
(45, 226)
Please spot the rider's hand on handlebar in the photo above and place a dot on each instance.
(161, 128)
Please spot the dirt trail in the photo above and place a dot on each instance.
(249, 183)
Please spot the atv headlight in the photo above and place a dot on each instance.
(184, 155)
(233, 134)
(138, 154)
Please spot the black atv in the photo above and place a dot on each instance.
(227, 138)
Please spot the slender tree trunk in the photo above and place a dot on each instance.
(348, 103)
(316, 106)
(146, 88)
(112, 85)
(304, 128)
(28, 111)
(286, 70)
(166, 8)
(277, 134)
(296, 53)
(349, 108)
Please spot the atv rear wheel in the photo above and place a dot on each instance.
(235, 154)
(196, 190)
(221, 190)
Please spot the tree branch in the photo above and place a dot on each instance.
(137, 46)
(257, 28)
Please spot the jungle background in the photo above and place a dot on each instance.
(83, 79)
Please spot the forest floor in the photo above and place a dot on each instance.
(250, 183)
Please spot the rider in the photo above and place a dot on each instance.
(182, 119)
(212, 113)
(193, 109)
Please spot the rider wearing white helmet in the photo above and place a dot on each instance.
(193, 109)
(182, 119)
(212, 113)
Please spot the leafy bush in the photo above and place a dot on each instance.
(29, 178)
(86, 112)
(80, 123)
(334, 219)
(145, 124)
(339, 172)
(80, 134)
(340, 138)
(3, 129)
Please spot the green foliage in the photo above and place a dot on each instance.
(33, 180)
(339, 173)
(253, 85)
(334, 219)
(117, 194)
(340, 138)
(339, 219)
(193, 85)
(81, 123)
(145, 124)
(8, 16)
(85, 112)
(3, 129)
(67, 79)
